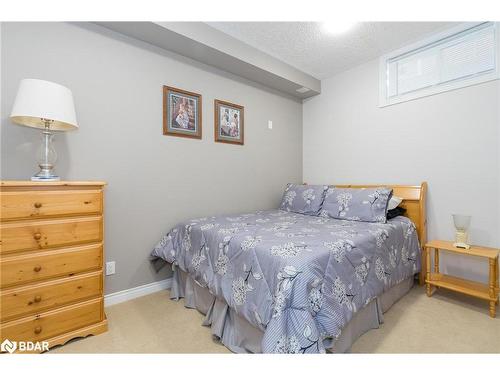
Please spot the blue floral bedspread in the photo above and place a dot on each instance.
(298, 278)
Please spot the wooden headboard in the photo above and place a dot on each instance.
(414, 201)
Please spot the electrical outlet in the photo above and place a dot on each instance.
(110, 268)
(270, 124)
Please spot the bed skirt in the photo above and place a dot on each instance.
(239, 336)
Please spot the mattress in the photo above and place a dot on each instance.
(299, 279)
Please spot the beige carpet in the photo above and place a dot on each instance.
(445, 323)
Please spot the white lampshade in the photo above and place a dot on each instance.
(37, 100)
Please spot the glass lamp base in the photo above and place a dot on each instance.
(45, 174)
(47, 157)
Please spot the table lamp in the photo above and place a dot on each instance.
(48, 106)
(462, 223)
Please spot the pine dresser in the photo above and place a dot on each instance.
(51, 257)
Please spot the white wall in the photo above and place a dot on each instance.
(451, 140)
(154, 181)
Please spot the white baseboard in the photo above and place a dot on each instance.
(139, 291)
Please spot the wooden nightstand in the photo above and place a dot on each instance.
(487, 292)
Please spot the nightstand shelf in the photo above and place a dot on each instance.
(488, 292)
(457, 284)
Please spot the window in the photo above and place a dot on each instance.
(460, 57)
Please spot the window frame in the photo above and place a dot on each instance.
(440, 87)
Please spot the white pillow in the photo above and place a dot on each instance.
(394, 202)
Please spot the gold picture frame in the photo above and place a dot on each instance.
(181, 113)
(229, 122)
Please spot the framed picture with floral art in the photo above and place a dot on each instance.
(181, 113)
(229, 122)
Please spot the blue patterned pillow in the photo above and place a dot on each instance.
(303, 199)
(357, 204)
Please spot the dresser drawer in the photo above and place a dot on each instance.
(25, 268)
(32, 299)
(52, 323)
(43, 234)
(17, 205)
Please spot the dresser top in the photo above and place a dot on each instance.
(14, 183)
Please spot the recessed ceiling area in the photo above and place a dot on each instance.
(310, 48)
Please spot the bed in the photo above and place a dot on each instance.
(282, 282)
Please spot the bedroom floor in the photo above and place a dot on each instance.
(444, 323)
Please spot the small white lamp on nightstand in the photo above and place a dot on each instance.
(48, 106)
(462, 223)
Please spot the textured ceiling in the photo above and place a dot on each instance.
(307, 47)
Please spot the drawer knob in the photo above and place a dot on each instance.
(37, 268)
(38, 330)
(38, 298)
(37, 236)
(38, 205)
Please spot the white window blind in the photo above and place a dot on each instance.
(448, 61)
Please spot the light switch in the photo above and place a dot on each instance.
(270, 124)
